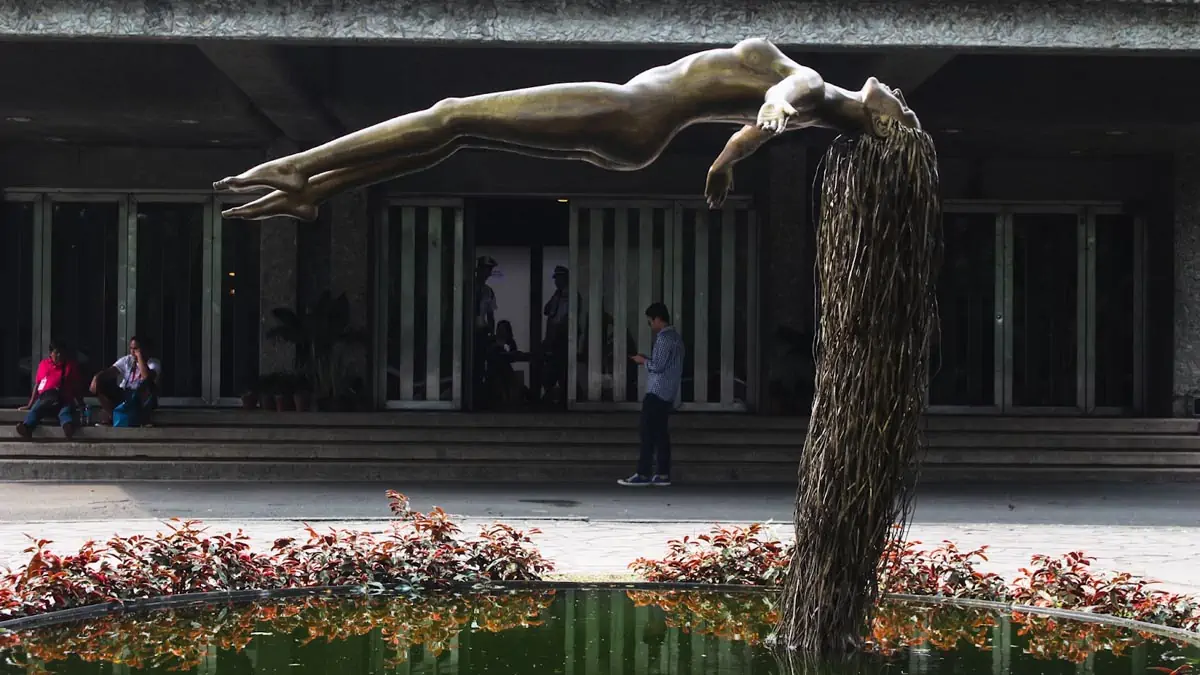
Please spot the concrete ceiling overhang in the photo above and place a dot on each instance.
(250, 95)
(1085, 25)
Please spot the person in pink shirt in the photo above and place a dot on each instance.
(56, 392)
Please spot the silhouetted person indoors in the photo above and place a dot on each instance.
(485, 325)
(505, 384)
(56, 392)
(556, 339)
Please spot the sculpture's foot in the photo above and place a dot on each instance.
(276, 175)
(275, 205)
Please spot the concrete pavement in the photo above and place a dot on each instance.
(594, 533)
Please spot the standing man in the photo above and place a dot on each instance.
(556, 339)
(56, 392)
(664, 375)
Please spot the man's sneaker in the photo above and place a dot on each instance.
(69, 430)
(24, 431)
(661, 481)
(636, 480)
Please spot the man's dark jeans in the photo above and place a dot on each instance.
(41, 410)
(655, 436)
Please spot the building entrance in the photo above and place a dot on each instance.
(701, 263)
(523, 290)
(1041, 311)
(96, 269)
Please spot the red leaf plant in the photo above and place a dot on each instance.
(419, 550)
(745, 556)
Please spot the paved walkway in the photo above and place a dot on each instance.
(602, 550)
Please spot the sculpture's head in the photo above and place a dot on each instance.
(887, 105)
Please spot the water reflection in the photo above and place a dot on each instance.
(567, 632)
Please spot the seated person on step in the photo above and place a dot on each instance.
(128, 389)
(56, 393)
(506, 384)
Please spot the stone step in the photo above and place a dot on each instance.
(403, 473)
(564, 454)
(709, 421)
(787, 440)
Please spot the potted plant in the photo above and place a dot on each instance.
(321, 334)
(285, 390)
(250, 398)
(302, 394)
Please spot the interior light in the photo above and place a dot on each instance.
(563, 201)
(233, 274)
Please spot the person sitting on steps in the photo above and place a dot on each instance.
(56, 393)
(131, 384)
(622, 127)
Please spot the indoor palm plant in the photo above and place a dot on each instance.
(321, 334)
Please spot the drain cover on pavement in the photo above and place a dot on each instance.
(564, 503)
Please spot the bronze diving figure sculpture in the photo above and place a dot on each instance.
(621, 127)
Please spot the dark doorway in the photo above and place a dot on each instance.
(519, 247)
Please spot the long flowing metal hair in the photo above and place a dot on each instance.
(879, 249)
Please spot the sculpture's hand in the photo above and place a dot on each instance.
(718, 186)
(773, 116)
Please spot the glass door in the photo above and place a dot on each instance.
(87, 277)
(618, 266)
(1114, 342)
(419, 310)
(715, 300)
(236, 317)
(172, 291)
(1041, 311)
(21, 225)
(966, 364)
(702, 264)
(1046, 264)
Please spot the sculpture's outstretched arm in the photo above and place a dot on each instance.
(739, 146)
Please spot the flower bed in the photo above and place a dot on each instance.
(747, 556)
(420, 549)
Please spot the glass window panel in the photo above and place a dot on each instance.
(16, 275)
(418, 296)
(1045, 311)
(240, 311)
(170, 292)
(1114, 356)
(964, 351)
(84, 297)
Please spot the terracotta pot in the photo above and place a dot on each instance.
(249, 401)
(282, 403)
(303, 401)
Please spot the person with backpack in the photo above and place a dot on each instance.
(56, 393)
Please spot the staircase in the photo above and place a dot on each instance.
(570, 447)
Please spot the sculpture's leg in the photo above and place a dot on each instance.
(303, 205)
(556, 118)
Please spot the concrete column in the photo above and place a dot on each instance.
(350, 264)
(277, 278)
(786, 277)
(1186, 386)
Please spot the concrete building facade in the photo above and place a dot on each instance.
(1068, 163)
